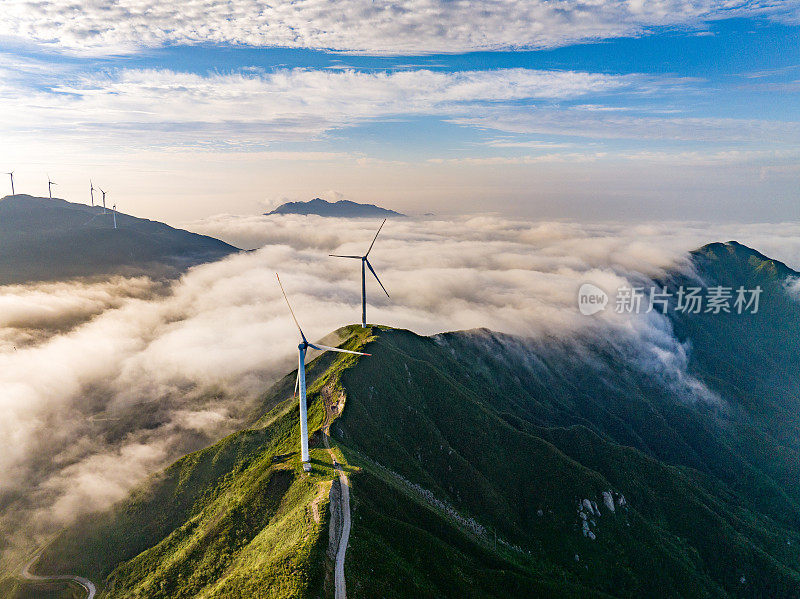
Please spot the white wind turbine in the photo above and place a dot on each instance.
(365, 264)
(300, 384)
(114, 210)
(50, 186)
(11, 174)
(91, 191)
(104, 200)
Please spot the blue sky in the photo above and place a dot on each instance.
(677, 110)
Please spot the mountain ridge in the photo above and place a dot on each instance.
(43, 239)
(340, 208)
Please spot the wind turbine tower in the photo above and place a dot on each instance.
(114, 209)
(300, 384)
(50, 186)
(104, 200)
(364, 265)
(11, 174)
(91, 191)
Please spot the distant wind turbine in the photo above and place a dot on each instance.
(301, 379)
(91, 191)
(114, 209)
(104, 200)
(50, 186)
(365, 264)
(11, 174)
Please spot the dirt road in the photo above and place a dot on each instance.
(84, 582)
(344, 482)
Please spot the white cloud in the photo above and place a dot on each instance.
(133, 108)
(366, 26)
(686, 158)
(32, 314)
(287, 104)
(633, 125)
(793, 287)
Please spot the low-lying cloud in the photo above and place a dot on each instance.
(30, 314)
(105, 382)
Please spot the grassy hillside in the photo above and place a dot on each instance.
(439, 426)
(57, 590)
(751, 359)
(230, 521)
(485, 465)
(44, 239)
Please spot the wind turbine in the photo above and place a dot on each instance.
(91, 191)
(301, 379)
(114, 209)
(11, 174)
(365, 264)
(50, 186)
(104, 200)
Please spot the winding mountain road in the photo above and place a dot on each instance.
(84, 582)
(344, 483)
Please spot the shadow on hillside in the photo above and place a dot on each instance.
(339, 466)
(280, 459)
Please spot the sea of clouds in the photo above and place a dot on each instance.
(105, 382)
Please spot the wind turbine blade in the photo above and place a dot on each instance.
(344, 351)
(290, 308)
(372, 270)
(376, 237)
(340, 256)
(297, 383)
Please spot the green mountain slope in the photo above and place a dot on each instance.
(751, 359)
(680, 528)
(44, 239)
(486, 465)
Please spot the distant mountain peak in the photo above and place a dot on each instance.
(342, 208)
(731, 247)
(737, 257)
